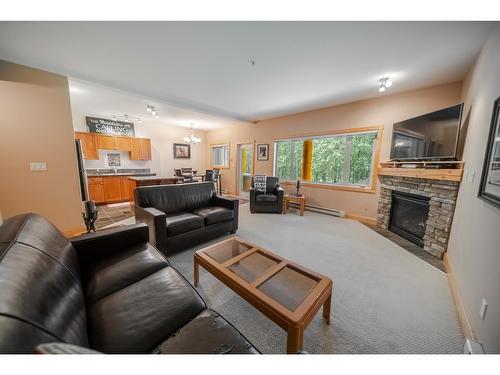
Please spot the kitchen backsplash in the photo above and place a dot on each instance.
(125, 162)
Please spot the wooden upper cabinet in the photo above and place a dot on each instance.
(135, 150)
(141, 149)
(89, 145)
(123, 143)
(106, 142)
(145, 148)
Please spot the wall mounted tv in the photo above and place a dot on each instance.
(433, 136)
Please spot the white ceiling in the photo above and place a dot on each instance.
(90, 99)
(206, 65)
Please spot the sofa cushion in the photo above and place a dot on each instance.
(138, 318)
(207, 333)
(115, 272)
(271, 184)
(198, 195)
(166, 198)
(183, 222)
(214, 214)
(266, 198)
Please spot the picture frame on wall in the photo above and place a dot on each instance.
(182, 151)
(263, 152)
(114, 160)
(489, 190)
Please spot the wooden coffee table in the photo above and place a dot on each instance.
(300, 199)
(287, 293)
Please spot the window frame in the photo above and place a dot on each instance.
(371, 188)
(212, 164)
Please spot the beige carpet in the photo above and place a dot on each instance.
(385, 299)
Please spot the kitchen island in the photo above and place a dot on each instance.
(135, 181)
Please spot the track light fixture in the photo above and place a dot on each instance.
(126, 118)
(151, 109)
(385, 83)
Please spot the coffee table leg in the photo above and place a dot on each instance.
(295, 339)
(327, 308)
(302, 206)
(196, 273)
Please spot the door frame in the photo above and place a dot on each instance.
(237, 170)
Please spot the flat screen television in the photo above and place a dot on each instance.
(433, 136)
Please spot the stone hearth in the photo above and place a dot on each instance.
(443, 196)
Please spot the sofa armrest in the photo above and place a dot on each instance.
(157, 224)
(231, 204)
(253, 193)
(63, 348)
(281, 193)
(91, 246)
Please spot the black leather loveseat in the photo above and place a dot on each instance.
(184, 215)
(110, 291)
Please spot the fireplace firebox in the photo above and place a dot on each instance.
(409, 213)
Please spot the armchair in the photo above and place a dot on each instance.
(270, 201)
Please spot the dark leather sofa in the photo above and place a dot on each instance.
(109, 291)
(270, 201)
(184, 215)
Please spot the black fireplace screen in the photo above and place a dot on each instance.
(409, 214)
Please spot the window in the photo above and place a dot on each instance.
(340, 159)
(220, 156)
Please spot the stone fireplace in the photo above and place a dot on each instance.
(419, 209)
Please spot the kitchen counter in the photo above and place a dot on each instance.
(153, 178)
(120, 174)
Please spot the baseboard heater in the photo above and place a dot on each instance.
(321, 210)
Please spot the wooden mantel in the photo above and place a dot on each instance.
(448, 174)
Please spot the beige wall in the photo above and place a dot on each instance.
(382, 111)
(35, 126)
(162, 136)
(474, 247)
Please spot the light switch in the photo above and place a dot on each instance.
(38, 167)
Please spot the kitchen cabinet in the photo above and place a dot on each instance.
(96, 189)
(110, 142)
(106, 142)
(89, 145)
(123, 143)
(141, 149)
(125, 189)
(145, 148)
(112, 188)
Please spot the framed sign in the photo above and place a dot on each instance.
(489, 190)
(114, 160)
(182, 151)
(263, 152)
(103, 126)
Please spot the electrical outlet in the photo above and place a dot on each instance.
(472, 175)
(38, 167)
(482, 310)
